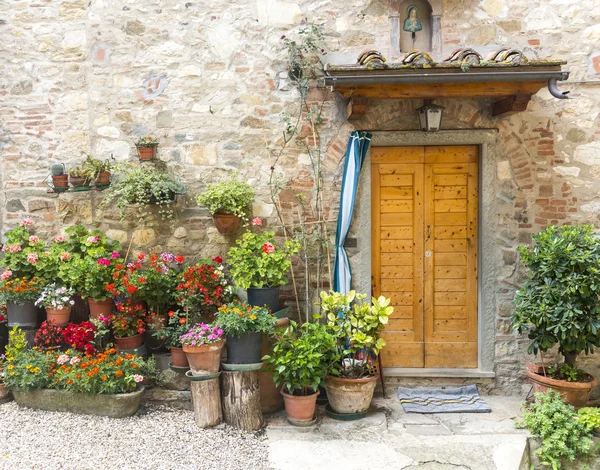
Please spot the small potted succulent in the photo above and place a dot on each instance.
(300, 360)
(128, 326)
(99, 171)
(202, 345)
(60, 179)
(244, 327)
(177, 325)
(146, 147)
(229, 201)
(58, 301)
(260, 265)
(80, 178)
(356, 327)
(558, 304)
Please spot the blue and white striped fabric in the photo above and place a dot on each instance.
(355, 156)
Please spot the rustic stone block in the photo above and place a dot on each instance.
(15, 205)
(36, 205)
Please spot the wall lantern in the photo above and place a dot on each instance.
(430, 116)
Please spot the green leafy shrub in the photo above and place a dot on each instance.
(257, 261)
(301, 357)
(96, 166)
(589, 417)
(356, 327)
(565, 439)
(144, 185)
(230, 196)
(238, 318)
(558, 304)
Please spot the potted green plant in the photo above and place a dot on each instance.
(128, 326)
(177, 325)
(260, 265)
(99, 171)
(146, 147)
(590, 418)
(58, 301)
(229, 201)
(20, 295)
(356, 327)
(60, 180)
(301, 357)
(244, 326)
(202, 345)
(144, 186)
(558, 304)
(80, 178)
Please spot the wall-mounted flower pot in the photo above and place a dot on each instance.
(244, 349)
(100, 307)
(164, 199)
(574, 393)
(129, 342)
(146, 153)
(350, 395)
(103, 180)
(80, 184)
(60, 183)
(23, 315)
(261, 296)
(58, 316)
(227, 224)
(204, 359)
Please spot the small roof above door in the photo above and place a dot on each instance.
(507, 76)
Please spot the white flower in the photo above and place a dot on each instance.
(72, 302)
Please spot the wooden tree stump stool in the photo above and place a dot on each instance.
(206, 399)
(240, 394)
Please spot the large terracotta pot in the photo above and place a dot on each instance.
(300, 409)
(350, 395)
(179, 358)
(3, 391)
(60, 316)
(226, 224)
(574, 393)
(146, 153)
(129, 342)
(100, 307)
(204, 360)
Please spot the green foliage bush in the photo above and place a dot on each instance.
(565, 439)
(559, 301)
(230, 196)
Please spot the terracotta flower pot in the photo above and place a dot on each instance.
(350, 395)
(3, 391)
(103, 179)
(227, 224)
(146, 153)
(300, 409)
(100, 307)
(574, 393)
(179, 358)
(129, 342)
(204, 360)
(59, 315)
(60, 181)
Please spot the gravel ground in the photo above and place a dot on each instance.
(157, 438)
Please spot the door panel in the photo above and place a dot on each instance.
(397, 264)
(424, 253)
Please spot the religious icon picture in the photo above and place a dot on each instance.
(412, 23)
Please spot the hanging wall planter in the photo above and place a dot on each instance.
(226, 224)
(146, 148)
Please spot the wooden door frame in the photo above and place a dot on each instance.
(486, 139)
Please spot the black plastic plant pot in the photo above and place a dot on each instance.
(24, 315)
(244, 349)
(261, 296)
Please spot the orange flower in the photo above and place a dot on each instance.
(119, 361)
(119, 373)
(182, 321)
(171, 313)
(69, 382)
(129, 357)
(78, 376)
(134, 365)
(104, 378)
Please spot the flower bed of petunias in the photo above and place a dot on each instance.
(105, 372)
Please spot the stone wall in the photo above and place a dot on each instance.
(209, 79)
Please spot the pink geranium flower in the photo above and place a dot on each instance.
(59, 239)
(34, 239)
(93, 239)
(26, 222)
(257, 222)
(138, 378)
(114, 254)
(65, 256)
(32, 258)
(6, 275)
(104, 262)
(268, 248)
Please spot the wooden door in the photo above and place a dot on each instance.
(424, 253)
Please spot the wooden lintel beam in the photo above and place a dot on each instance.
(357, 108)
(511, 104)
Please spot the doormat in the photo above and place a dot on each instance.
(442, 400)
